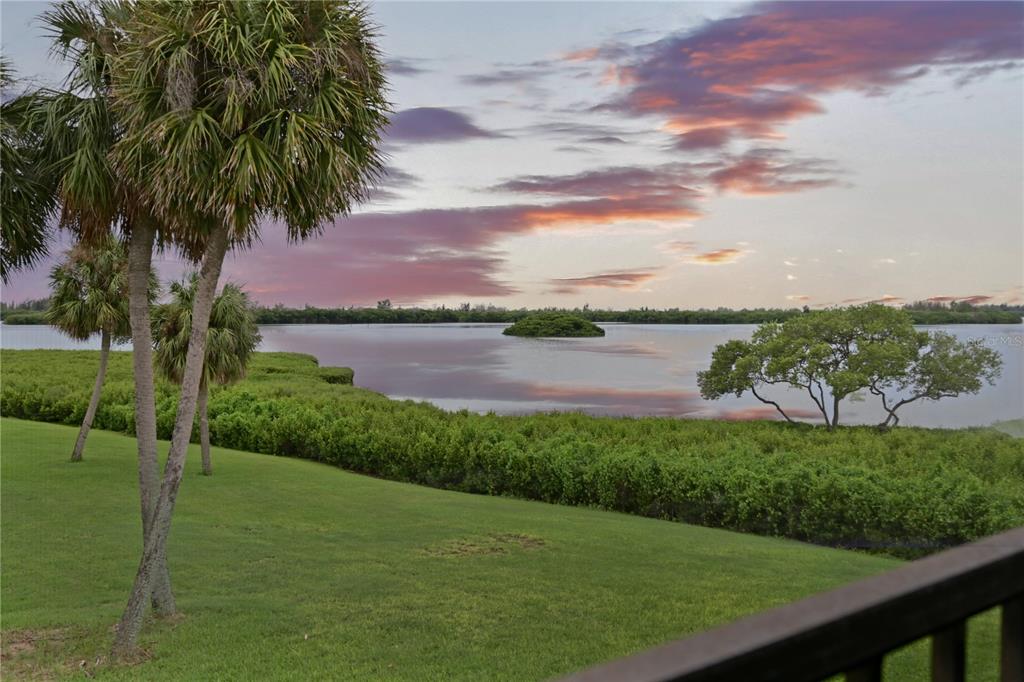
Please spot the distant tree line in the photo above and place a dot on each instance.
(394, 315)
(30, 312)
(963, 306)
(465, 313)
(39, 304)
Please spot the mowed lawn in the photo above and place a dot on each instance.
(289, 569)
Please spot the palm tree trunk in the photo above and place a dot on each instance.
(131, 620)
(140, 258)
(204, 430)
(94, 401)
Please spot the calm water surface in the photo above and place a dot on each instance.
(633, 370)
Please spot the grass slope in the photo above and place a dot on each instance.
(289, 569)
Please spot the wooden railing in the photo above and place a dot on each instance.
(851, 629)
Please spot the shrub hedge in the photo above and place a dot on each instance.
(905, 492)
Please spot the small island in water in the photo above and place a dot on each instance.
(553, 324)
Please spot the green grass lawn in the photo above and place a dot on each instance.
(289, 569)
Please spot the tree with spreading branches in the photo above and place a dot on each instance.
(90, 296)
(945, 367)
(235, 115)
(231, 339)
(838, 353)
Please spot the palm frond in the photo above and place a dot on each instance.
(90, 290)
(241, 111)
(231, 339)
(26, 186)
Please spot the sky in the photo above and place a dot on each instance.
(666, 155)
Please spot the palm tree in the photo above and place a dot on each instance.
(26, 191)
(90, 295)
(231, 339)
(236, 114)
(77, 127)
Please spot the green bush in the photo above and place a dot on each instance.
(553, 325)
(337, 375)
(905, 492)
(25, 317)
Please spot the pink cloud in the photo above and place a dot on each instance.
(622, 182)
(769, 171)
(703, 138)
(349, 267)
(583, 55)
(888, 299)
(678, 246)
(758, 171)
(975, 299)
(748, 75)
(612, 280)
(717, 257)
(412, 256)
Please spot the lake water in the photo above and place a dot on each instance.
(633, 370)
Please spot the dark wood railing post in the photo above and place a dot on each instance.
(1013, 640)
(869, 671)
(949, 658)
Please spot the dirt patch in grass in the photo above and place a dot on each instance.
(57, 653)
(28, 654)
(23, 642)
(494, 543)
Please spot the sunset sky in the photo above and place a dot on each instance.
(669, 155)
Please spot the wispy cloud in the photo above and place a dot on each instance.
(622, 279)
(582, 55)
(433, 124)
(521, 75)
(610, 195)
(579, 132)
(974, 299)
(682, 184)
(391, 183)
(406, 66)
(772, 171)
(717, 257)
(678, 246)
(615, 182)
